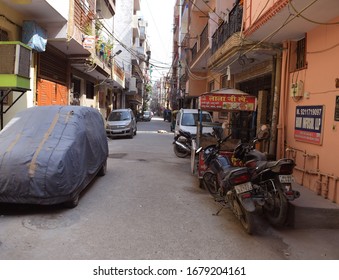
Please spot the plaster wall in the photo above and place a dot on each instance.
(319, 78)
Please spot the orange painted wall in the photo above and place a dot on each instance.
(319, 89)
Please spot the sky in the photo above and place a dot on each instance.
(159, 15)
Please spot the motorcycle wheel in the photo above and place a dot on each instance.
(179, 152)
(210, 182)
(246, 218)
(276, 207)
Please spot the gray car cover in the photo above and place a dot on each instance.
(48, 154)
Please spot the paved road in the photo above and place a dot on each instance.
(149, 206)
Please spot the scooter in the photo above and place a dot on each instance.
(182, 144)
(272, 180)
(227, 184)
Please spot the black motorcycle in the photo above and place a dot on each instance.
(182, 144)
(229, 185)
(272, 180)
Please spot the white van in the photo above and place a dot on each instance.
(187, 120)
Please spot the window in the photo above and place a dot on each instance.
(76, 86)
(190, 119)
(211, 85)
(223, 81)
(301, 53)
(298, 55)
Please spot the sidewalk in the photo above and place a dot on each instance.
(312, 211)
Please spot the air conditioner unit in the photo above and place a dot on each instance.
(297, 89)
(15, 65)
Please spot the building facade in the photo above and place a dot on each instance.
(130, 29)
(72, 53)
(284, 53)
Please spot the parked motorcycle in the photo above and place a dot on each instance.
(272, 180)
(182, 144)
(227, 184)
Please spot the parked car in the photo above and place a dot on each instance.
(121, 122)
(147, 116)
(49, 154)
(187, 119)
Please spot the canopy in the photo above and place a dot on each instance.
(227, 99)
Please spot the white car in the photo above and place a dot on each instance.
(187, 120)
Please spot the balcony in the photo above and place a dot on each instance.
(105, 8)
(201, 44)
(289, 20)
(227, 29)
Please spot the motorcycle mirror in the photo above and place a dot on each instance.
(198, 150)
(264, 132)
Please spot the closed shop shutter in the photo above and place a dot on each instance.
(52, 77)
(51, 93)
(53, 65)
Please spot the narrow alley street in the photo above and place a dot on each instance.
(149, 206)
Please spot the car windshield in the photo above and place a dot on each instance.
(191, 119)
(119, 116)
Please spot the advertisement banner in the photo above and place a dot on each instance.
(308, 124)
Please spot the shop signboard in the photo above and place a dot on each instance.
(231, 102)
(308, 124)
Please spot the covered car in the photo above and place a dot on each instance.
(49, 154)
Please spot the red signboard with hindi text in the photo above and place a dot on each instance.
(231, 102)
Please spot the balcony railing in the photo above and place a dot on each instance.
(84, 16)
(203, 42)
(227, 29)
(204, 37)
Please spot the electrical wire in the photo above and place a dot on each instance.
(213, 11)
(269, 36)
(313, 21)
(202, 11)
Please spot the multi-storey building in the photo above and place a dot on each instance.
(72, 53)
(283, 52)
(130, 29)
(307, 88)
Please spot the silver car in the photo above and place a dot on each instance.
(121, 122)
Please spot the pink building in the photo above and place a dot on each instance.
(309, 92)
(285, 53)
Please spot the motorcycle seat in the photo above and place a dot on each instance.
(228, 171)
(262, 165)
(186, 134)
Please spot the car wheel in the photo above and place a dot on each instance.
(103, 169)
(135, 131)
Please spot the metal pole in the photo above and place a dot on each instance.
(1, 110)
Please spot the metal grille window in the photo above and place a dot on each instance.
(298, 55)
(301, 53)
